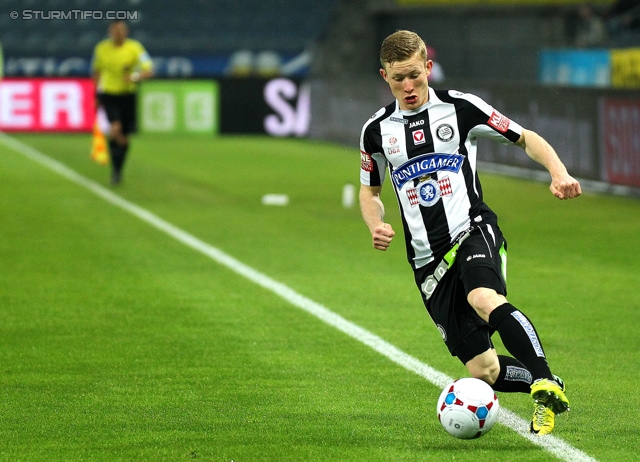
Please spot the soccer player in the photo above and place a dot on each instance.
(118, 65)
(427, 139)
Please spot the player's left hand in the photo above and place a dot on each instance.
(565, 187)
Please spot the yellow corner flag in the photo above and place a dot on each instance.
(99, 152)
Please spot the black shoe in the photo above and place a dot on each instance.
(116, 177)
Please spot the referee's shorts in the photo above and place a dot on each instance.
(479, 263)
(120, 108)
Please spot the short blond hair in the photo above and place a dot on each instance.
(400, 46)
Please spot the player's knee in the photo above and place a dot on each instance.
(116, 130)
(484, 301)
(119, 137)
(487, 372)
(485, 366)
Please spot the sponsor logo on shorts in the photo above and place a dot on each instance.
(477, 255)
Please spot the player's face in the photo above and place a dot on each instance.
(408, 81)
(118, 32)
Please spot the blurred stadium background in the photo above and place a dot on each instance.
(566, 68)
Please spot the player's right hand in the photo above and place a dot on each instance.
(382, 236)
(565, 187)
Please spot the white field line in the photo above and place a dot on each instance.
(550, 443)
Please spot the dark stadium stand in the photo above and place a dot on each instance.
(481, 41)
(195, 27)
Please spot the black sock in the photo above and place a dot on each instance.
(117, 156)
(513, 377)
(520, 339)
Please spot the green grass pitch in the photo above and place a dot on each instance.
(120, 343)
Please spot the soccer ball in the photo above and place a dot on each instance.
(468, 408)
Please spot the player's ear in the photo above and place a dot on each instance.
(383, 73)
(428, 66)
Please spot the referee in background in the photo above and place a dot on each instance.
(119, 64)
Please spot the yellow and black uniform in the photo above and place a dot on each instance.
(118, 67)
(116, 93)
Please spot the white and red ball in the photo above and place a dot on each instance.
(468, 408)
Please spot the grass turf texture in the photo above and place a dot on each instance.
(119, 343)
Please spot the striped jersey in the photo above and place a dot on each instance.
(430, 155)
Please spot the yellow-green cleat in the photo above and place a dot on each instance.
(548, 400)
(543, 420)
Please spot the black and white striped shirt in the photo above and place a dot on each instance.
(431, 157)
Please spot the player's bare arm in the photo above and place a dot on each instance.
(372, 210)
(563, 185)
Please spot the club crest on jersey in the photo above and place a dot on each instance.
(426, 164)
(428, 193)
(445, 132)
(418, 137)
(444, 189)
(366, 163)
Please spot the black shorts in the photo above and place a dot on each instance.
(480, 262)
(121, 108)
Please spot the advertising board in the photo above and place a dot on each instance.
(49, 105)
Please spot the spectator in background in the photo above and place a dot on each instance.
(591, 30)
(119, 64)
(437, 72)
(624, 23)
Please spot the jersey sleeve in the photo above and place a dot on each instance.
(489, 122)
(373, 163)
(144, 60)
(96, 64)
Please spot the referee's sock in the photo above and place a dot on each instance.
(521, 339)
(118, 155)
(513, 377)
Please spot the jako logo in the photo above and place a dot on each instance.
(477, 255)
(417, 123)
